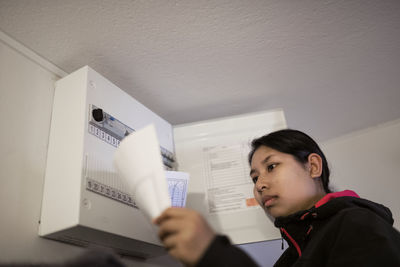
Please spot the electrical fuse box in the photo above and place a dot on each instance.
(83, 196)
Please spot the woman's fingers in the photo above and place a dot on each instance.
(171, 213)
(185, 234)
(171, 226)
(170, 242)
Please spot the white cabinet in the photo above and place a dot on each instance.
(84, 201)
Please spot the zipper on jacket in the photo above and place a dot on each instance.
(292, 240)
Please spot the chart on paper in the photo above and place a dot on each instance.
(177, 187)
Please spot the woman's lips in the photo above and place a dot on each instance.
(269, 201)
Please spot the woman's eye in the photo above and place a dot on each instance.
(255, 179)
(271, 167)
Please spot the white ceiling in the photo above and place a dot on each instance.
(333, 66)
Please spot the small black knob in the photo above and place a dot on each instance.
(98, 114)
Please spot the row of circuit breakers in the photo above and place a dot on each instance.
(112, 131)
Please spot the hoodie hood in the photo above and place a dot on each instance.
(332, 203)
(296, 228)
(347, 199)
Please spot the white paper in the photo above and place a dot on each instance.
(228, 184)
(138, 162)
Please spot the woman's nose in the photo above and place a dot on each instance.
(262, 184)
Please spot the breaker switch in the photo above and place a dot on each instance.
(98, 114)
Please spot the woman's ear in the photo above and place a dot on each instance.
(315, 165)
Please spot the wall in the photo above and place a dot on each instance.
(368, 162)
(25, 110)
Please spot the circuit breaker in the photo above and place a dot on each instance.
(83, 196)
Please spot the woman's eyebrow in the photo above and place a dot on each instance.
(267, 159)
(262, 162)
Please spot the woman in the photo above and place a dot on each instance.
(291, 183)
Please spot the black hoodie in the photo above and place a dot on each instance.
(340, 230)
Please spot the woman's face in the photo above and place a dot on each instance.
(282, 185)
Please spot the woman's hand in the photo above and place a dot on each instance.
(185, 234)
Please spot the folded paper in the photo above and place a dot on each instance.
(139, 163)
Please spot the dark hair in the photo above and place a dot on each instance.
(295, 143)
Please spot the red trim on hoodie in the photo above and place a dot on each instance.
(293, 241)
(330, 196)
